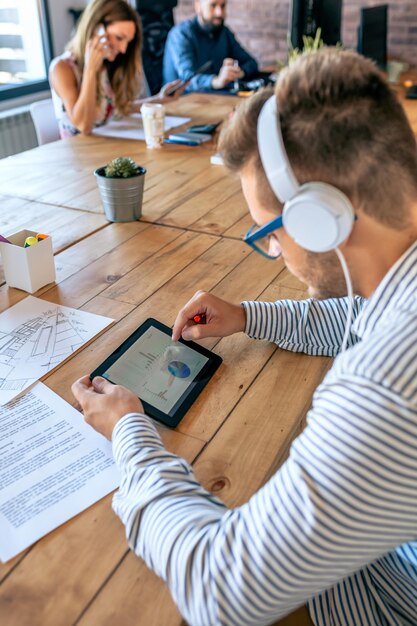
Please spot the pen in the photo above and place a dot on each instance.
(200, 318)
(185, 143)
(236, 83)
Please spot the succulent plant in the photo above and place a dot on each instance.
(122, 167)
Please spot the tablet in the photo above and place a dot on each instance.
(200, 70)
(167, 376)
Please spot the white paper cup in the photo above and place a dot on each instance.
(395, 69)
(153, 116)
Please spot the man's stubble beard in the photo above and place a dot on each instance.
(210, 27)
(323, 275)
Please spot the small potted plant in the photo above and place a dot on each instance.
(120, 183)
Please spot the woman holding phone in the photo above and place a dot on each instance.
(101, 70)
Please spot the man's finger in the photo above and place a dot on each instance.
(198, 331)
(101, 385)
(81, 387)
(187, 313)
(183, 318)
(180, 323)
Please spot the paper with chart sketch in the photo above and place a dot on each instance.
(131, 127)
(52, 467)
(35, 336)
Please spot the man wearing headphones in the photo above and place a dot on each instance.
(328, 167)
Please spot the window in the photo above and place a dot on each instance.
(25, 47)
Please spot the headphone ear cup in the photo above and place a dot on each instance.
(319, 217)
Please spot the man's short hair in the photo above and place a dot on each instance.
(341, 124)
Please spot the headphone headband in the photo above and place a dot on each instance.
(272, 150)
(316, 215)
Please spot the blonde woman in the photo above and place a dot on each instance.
(101, 70)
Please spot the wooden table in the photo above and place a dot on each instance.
(182, 188)
(239, 430)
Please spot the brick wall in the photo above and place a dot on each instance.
(261, 26)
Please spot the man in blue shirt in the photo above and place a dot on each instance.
(205, 38)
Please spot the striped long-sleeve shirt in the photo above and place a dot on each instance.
(337, 524)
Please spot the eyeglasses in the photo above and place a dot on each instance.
(263, 240)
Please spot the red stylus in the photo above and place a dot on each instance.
(200, 318)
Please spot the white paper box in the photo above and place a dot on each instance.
(27, 268)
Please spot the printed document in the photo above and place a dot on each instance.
(131, 127)
(52, 467)
(35, 336)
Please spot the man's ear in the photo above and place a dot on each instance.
(197, 7)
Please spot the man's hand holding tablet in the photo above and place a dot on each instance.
(183, 83)
(159, 366)
(103, 403)
(167, 376)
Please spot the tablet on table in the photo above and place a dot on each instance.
(167, 376)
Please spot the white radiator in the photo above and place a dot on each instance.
(17, 132)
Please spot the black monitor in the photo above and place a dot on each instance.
(372, 33)
(309, 15)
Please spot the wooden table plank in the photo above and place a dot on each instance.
(65, 226)
(205, 200)
(134, 584)
(145, 263)
(144, 280)
(120, 262)
(177, 179)
(224, 218)
(239, 228)
(168, 196)
(72, 260)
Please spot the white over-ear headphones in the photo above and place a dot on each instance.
(316, 215)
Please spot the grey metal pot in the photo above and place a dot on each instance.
(121, 197)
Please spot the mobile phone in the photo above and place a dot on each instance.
(101, 32)
(411, 92)
(200, 70)
(203, 128)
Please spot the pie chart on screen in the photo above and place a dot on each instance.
(179, 369)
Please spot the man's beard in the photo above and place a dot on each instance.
(323, 275)
(210, 28)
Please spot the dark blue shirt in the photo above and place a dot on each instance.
(188, 46)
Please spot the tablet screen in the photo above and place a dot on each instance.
(158, 370)
(167, 376)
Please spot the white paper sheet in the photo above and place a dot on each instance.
(52, 467)
(131, 127)
(35, 336)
